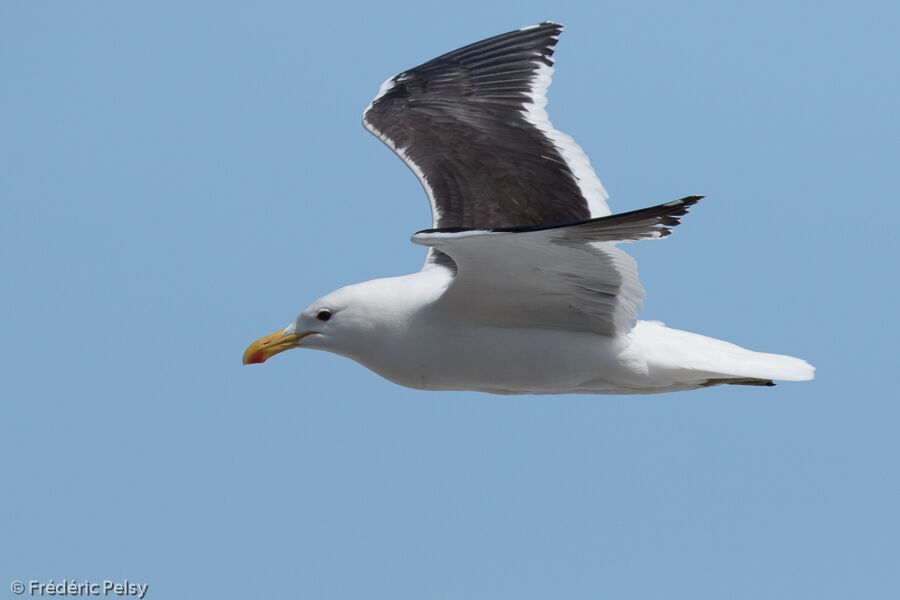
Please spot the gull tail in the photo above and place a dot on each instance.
(691, 358)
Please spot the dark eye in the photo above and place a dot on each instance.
(323, 315)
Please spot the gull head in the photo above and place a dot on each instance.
(351, 321)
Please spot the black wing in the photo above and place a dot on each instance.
(471, 125)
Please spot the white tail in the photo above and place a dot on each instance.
(690, 357)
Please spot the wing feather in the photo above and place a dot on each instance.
(471, 125)
(569, 276)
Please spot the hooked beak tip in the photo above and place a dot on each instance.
(266, 347)
(257, 358)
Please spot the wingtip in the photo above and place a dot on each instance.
(549, 24)
(686, 201)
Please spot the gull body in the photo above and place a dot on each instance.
(394, 327)
(524, 288)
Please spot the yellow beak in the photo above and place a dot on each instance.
(266, 347)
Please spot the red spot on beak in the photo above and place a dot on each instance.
(256, 358)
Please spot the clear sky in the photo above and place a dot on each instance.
(179, 179)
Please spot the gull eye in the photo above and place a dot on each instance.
(323, 315)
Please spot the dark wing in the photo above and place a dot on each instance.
(471, 125)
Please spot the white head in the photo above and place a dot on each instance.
(351, 321)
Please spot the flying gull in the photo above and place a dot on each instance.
(524, 290)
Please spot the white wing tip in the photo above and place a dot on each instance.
(536, 25)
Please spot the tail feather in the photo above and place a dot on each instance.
(713, 362)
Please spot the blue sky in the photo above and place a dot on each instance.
(181, 178)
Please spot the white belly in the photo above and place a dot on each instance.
(507, 361)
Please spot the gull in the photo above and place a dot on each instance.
(524, 289)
